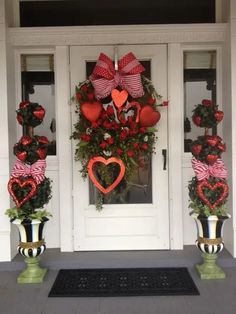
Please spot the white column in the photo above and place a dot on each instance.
(229, 127)
(5, 250)
(233, 116)
(175, 121)
(63, 118)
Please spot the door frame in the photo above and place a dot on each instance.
(175, 142)
(157, 212)
(59, 38)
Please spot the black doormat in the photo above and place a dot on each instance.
(123, 282)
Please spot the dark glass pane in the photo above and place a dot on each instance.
(199, 84)
(122, 12)
(37, 77)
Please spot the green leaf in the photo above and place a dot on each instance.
(133, 161)
(82, 143)
(152, 129)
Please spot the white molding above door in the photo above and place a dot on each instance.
(122, 34)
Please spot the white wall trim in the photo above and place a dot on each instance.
(175, 113)
(63, 118)
(104, 35)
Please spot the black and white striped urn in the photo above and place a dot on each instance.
(31, 234)
(210, 233)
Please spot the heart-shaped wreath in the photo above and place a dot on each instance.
(16, 184)
(206, 191)
(117, 113)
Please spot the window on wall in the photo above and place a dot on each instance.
(122, 12)
(199, 84)
(37, 77)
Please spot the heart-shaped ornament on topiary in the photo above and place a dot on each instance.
(106, 162)
(40, 113)
(212, 187)
(21, 185)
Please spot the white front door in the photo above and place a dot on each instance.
(142, 222)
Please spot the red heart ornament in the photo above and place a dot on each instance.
(212, 140)
(26, 140)
(21, 155)
(219, 115)
(42, 153)
(39, 113)
(218, 185)
(197, 120)
(132, 105)
(148, 116)
(221, 147)
(196, 149)
(91, 110)
(43, 140)
(29, 182)
(24, 104)
(19, 118)
(211, 159)
(119, 97)
(106, 162)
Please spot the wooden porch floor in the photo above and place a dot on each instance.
(216, 296)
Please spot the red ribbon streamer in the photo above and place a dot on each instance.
(104, 77)
(36, 170)
(203, 170)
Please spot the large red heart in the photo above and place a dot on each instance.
(91, 110)
(119, 97)
(207, 185)
(148, 116)
(22, 184)
(132, 105)
(106, 162)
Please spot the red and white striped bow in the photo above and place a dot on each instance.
(203, 171)
(105, 78)
(36, 170)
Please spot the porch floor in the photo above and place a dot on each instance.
(216, 296)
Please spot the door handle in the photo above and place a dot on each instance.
(164, 153)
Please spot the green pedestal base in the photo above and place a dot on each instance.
(33, 273)
(209, 269)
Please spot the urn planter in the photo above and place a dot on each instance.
(31, 246)
(210, 243)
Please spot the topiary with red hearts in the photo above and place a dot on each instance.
(206, 114)
(30, 114)
(28, 186)
(208, 190)
(30, 149)
(208, 148)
